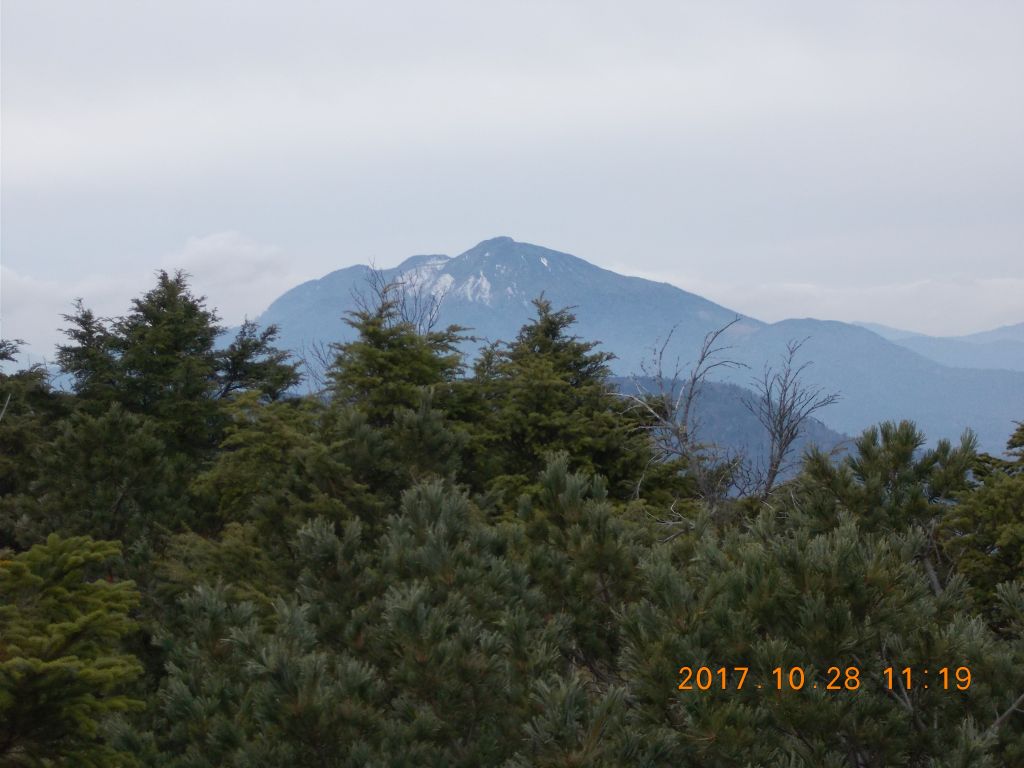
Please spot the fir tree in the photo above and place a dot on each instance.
(318, 462)
(106, 476)
(161, 360)
(390, 361)
(984, 532)
(29, 411)
(61, 673)
(545, 392)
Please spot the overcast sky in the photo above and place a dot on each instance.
(852, 161)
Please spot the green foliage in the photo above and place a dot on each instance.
(322, 461)
(9, 349)
(417, 652)
(584, 556)
(161, 360)
(432, 569)
(61, 674)
(251, 363)
(1015, 445)
(29, 411)
(782, 595)
(890, 482)
(545, 392)
(389, 362)
(247, 693)
(572, 726)
(984, 535)
(106, 475)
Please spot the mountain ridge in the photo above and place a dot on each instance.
(489, 289)
(1000, 348)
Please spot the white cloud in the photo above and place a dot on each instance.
(31, 309)
(837, 145)
(238, 276)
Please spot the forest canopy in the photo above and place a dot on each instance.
(438, 561)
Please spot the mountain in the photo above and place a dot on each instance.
(1003, 333)
(1001, 348)
(960, 353)
(724, 420)
(489, 289)
(889, 333)
(879, 380)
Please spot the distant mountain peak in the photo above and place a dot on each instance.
(495, 242)
(417, 262)
(489, 288)
(512, 263)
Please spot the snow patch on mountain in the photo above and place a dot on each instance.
(476, 288)
(442, 285)
(424, 276)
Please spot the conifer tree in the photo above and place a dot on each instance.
(390, 361)
(432, 570)
(584, 554)
(29, 411)
(461, 633)
(547, 391)
(890, 481)
(106, 476)
(161, 360)
(783, 595)
(418, 651)
(61, 672)
(246, 691)
(984, 532)
(574, 726)
(319, 461)
(1015, 445)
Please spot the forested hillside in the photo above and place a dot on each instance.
(436, 561)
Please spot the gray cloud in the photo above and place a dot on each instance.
(854, 150)
(238, 276)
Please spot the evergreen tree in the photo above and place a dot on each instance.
(418, 651)
(984, 532)
(251, 363)
(1015, 445)
(61, 673)
(389, 362)
(432, 570)
(584, 554)
(784, 594)
(106, 476)
(319, 462)
(889, 482)
(545, 392)
(573, 726)
(29, 411)
(161, 360)
(461, 634)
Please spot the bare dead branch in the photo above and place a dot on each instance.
(315, 359)
(1015, 707)
(784, 405)
(415, 302)
(666, 400)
